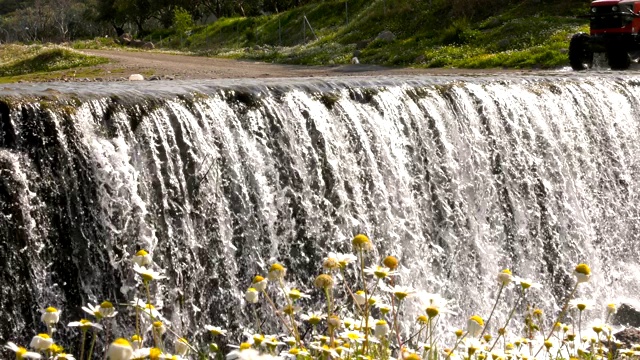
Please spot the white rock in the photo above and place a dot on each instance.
(354, 60)
(136, 77)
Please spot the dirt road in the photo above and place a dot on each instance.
(183, 67)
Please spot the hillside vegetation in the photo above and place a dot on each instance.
(419, 33)
(464, 34)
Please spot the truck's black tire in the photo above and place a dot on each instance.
(618, 59)
(580, 54)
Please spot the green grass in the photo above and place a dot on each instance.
(530, 34)
(39, 59)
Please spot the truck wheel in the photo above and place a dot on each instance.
(618, 59)
(580, 54)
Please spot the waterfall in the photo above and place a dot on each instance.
(459, 177)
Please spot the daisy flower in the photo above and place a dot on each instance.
(120, 349)
(252, 295)
(259, 283)
(181, 346)
(41, 342)
(381, 329)
(582, 304)
(85, 325)
(505, 277)
(352, 336)
(582, 273)
(475, 325)
(50, 316)
(22, 353)
(294, 352)
(361, 242)
(400, 291)
(526, 283)
(314, 317)
(142, 258)
(380, 272)
(276, 272)
(215, 331)
(64, 356)
(107, 310)
(295, 294)
(147, 274)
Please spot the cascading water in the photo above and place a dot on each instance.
(458, 177)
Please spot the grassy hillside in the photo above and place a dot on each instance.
(428, 33)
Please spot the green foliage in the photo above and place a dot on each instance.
(49, 59)
(182, 20)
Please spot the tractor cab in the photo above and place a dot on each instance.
(614, 27)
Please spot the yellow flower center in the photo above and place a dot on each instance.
(288, 310)
(155, 353)
(360, 241)
(157, 324)
(412, 356)
(294, 351)
(548, 344)
(581, 307)
(21, 351)
(380, 273)
(44, 336)
(432, 311)
(276, 267)
(487, 337)
(245, 346)
(106, 305)
(149, 306)
(583, 269)
(56, 349)
(257, 278)
(477, 319)
(597, 329)
(423, 319)
(295, 294)
(459, 332)
(323, 281)
(537, 312)
(136, 338)
(142, 253)
(506, 271)
(146, 277)
(122, 342)
(51, 309)
(314, 320)
(391, 262)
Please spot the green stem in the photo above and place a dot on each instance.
(84, 336)
(486, 324)
(513, 310)
(275, 310)
(366, 303)
(93, 343)
(456, 345)
(562, 312)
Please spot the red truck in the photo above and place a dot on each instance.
(614, 28)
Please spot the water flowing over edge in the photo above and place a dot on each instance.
(458, 177)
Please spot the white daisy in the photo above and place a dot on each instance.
(215, 331)
(85, 324)
(50, 315)
(120, 349)
(147, 274)
(22, 353)
(41, 342)
(142, 258)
